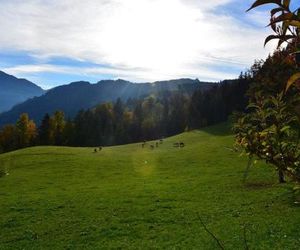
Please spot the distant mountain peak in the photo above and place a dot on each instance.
(79, 83)
(83, 95)
(14, 91)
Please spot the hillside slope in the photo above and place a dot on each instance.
(83, 95)
(129, 197)
(14, 91)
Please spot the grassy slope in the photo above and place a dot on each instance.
(129, 197)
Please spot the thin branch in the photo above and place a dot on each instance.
(209, 232)
(249, 165)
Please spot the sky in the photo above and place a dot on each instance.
(55, 42)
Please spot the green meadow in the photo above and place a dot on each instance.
(129, 197)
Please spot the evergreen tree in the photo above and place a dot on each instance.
(46, 133)
(58, 125)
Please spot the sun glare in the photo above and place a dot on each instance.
(151, 35)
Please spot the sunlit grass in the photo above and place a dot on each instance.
(138, 198)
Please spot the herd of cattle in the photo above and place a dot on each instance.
(151, 145)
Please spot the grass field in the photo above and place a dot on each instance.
(129, 197)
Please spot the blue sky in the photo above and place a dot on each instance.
(59, 41)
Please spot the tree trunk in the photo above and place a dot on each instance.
(281, 176)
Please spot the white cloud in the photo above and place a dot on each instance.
(141, 39)
(139, 75)
(207, 5)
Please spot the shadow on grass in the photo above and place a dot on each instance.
(258, 185)
(221, 129)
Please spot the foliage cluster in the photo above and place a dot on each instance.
(285, 23)
(270, 130)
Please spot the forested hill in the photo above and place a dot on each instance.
(147, 118)
(83, 95)
(14, 91)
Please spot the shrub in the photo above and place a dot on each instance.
(270, 132)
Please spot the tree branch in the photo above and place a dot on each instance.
(209, 232)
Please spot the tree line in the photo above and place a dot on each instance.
(135, 120)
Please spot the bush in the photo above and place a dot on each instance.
(270, 132)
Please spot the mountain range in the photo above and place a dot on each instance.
(14, 91)
(84, 95)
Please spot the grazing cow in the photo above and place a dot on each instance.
(100, 148)
(181, 144)
(95, 150)
(156, 144)
(161, 141)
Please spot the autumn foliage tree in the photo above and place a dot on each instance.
(8, 138)
(271, 132)
(285, 23)
(26, 132)
(270, 129)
